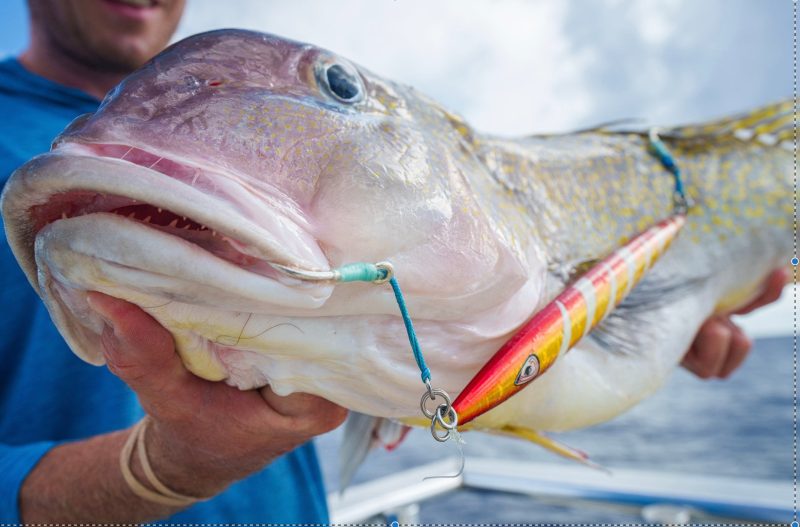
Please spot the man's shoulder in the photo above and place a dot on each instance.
(38, 110)
(18, 82)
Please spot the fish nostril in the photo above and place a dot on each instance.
(191, 83)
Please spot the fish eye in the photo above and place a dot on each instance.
(341, 82)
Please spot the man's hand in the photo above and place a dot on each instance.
(721, 346)
(204, 435)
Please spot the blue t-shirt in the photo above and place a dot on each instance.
(48, 395)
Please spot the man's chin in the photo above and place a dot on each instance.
(126, 54)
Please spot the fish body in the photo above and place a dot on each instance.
(234, 151)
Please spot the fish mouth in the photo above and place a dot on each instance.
(111, 189)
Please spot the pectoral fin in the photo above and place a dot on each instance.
(362, 433)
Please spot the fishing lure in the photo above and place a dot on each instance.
(565, 320)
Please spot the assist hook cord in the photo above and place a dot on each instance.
(444, 419)
(680, 202)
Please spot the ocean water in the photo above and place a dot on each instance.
(739, 427)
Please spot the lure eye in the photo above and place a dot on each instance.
(342, 83)
(528, 371)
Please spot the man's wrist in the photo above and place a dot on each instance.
(182, 468)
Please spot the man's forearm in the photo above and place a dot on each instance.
(82, 482)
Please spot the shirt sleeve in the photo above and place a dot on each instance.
(16, 462)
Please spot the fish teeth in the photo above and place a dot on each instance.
(63, 215)
(173, 223)
(159, 210)
(147, 219)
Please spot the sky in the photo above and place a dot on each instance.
(523, 66)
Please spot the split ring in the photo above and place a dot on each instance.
(431, 394)
(442, 411)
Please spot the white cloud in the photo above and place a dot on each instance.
(656, 20)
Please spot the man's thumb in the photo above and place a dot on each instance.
(136, 347)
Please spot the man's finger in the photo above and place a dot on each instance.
(738, 350)
(707, 355)
(315, 412)
(136, 347)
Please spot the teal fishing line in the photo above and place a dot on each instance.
(412, 335)
(383, 272)
(360, 272)
(367, 272)
(660, 150)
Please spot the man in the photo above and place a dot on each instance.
(63, 423)
(202, 436)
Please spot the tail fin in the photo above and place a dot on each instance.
(770, 125)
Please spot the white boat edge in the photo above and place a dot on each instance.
(726, 497)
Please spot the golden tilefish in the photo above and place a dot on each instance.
(235, 154)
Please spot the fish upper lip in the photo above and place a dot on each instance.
(209, 220)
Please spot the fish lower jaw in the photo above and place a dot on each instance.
(117, 256)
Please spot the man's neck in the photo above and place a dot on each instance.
(49, 62)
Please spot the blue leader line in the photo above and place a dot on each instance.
(367, 272)
(660, 150)
(412, 336)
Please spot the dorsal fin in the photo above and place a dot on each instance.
(611, 126)
(769, 125)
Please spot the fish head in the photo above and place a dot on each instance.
(233, 151)
(370, 170)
